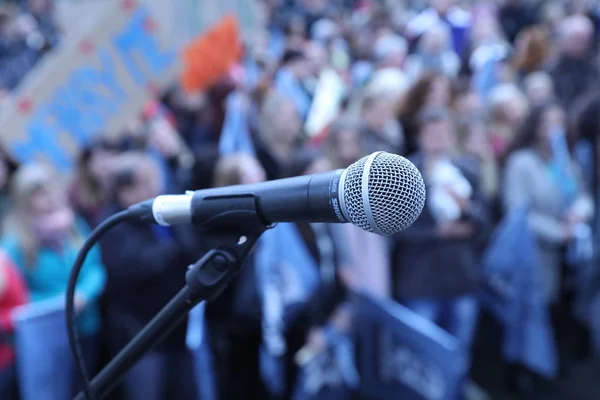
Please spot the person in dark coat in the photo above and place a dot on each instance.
(146, 267)
(575, 70)
(234, 318)
(435, 260)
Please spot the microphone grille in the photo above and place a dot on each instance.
(382, 193)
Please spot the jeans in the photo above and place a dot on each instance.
(162, 375)
(44, 361)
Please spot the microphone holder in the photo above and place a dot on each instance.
(205, 280)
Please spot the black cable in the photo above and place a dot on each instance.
(70, 309)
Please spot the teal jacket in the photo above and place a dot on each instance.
(48, 278)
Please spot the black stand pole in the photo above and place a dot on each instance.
(205, 280)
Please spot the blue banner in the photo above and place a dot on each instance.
(404, 356)
(44, 361)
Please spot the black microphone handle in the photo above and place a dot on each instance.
(310, 198)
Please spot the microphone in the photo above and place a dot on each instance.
(381, 193)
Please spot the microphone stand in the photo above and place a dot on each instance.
(205, 280)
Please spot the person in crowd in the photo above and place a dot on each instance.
(234, 318)
(516, 15)
(91, 188)
(541, 173)
(468, 105)
(507, 108)
(435, 260)
(278, 135)
(380, 130)
(431, 90)
(448, 12)
(43, 236)
(325, 306)
(18, 55)
(13, 293)
(551, 15)
(368, 252)
(184, 107)
(295, 32)
(343, 145)
(165, 142)
(390, 51)
(7, 169)
(434, 54)
(574, 70)
(473, 141)
(46, 28)
(146, 268)
(488, 43)
(532, 51)
(289, 81)
(204, 167)
(539, 88)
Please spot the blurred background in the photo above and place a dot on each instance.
(493, 293)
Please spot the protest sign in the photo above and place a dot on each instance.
(99, 82)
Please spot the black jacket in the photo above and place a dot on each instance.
(144, 271)
(426, 265)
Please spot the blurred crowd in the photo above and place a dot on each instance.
(27, 32)
(496, 102)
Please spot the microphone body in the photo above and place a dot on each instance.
(381, 193)
(311, 198)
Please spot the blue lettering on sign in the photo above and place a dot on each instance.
(42, 138)
(135, 40)
(92, 94)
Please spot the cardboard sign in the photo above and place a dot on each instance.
(98, 83)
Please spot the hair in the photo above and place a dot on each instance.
(90, 188)
(228, 170)
(339, 126)
(463, 131)
(500, 95)
(292, 55)
(489, 166)
(129, 163)
(269, 109)
(27, 180)
(416, 97)
(537, 49)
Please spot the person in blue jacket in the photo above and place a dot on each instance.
(43, 237)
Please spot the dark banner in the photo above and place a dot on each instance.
(404, 356)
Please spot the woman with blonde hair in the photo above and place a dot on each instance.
(43, 237)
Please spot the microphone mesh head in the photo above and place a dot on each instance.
(382, 193)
